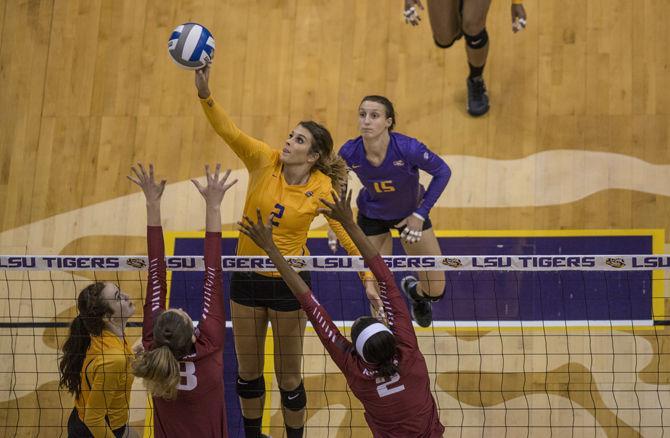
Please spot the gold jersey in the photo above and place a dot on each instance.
(106, 380)
(294, 206)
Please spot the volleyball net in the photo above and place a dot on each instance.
(569, 345)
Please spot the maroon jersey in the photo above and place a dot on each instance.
(399, 406)
(199, 409)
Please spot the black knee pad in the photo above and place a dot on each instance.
(477, 41)
(294, 400)
(251, 388)
(446, 46)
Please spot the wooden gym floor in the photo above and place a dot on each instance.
(577, 138)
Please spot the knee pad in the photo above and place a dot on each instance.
(294, 400)
(251, 388)
(446, 46)
(477, 41)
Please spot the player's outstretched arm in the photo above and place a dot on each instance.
(213, 319)
(340, 210)
(261, 234)
(157, 288)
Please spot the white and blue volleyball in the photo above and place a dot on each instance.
(191, 46)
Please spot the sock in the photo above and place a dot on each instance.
(294, 433)
(252, 427)
(475, 71)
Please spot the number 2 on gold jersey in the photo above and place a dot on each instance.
(277, 213)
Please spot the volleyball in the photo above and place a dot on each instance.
(191, 46)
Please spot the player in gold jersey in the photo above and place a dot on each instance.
(288, 184)
(452, 19)
(95, 366)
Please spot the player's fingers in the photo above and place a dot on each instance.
(197, 185)
(133, 180)
(137, 173)
(248, 220)
(335, 196)
(243, 230)
(327, 203)
(144, 172)
(229, 185)
(225, 176)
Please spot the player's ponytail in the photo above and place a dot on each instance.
(159, 367)
(160, 371)
(92, 308)
(330, 164)
(378, 349)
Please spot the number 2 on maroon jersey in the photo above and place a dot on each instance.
(385, 387)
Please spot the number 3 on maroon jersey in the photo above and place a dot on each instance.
(385, 387)
(188, 380)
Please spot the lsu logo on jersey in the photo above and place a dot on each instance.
(383, 186)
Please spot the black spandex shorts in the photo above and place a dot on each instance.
(374, 227)
(77, 429)
(255, 290)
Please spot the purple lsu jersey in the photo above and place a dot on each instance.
(391, 190)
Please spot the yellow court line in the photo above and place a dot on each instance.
(269, 371)
(653, 232)
(657, 235)
(658, 278)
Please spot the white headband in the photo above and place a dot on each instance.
(367, 333)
